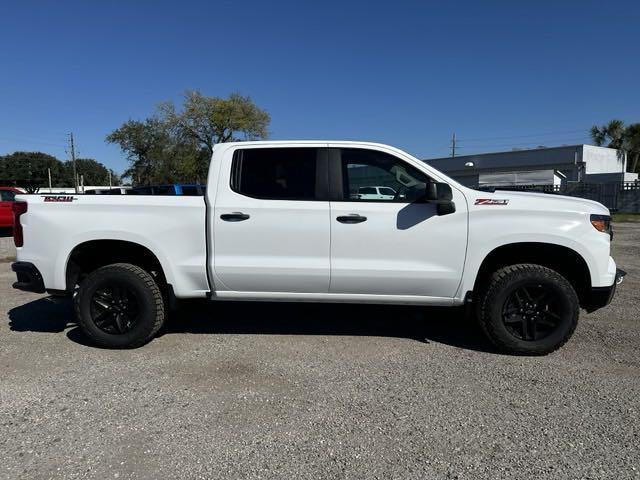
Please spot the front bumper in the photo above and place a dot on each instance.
(29, 277)
(601, 296)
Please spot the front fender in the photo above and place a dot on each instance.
(489, 230)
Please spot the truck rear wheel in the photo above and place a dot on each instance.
(528, 309)
(119, 306)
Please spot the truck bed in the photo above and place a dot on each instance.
(172, 227)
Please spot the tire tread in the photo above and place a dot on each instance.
(498, 281)
(149, 282)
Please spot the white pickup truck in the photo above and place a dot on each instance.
(283, 221)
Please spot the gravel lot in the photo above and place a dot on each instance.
(317, 391)
(7, 250)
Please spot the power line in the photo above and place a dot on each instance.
(479, 139)
(30, 141)
(542, 134)
(567, 141)
(555, 140)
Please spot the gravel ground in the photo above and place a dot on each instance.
(318, 391)
(7, 250)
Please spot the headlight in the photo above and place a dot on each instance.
(602, 223)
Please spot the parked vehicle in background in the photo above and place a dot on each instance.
(7, 197)
(107, 191)
(280, 223)
(376, 193)
(191, 190)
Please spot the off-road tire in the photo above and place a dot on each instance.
(501, 284)
(151, 312)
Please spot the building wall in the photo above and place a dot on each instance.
(577, 163)
(603, 160)
(567, 160)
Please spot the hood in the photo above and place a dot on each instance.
(546, 201)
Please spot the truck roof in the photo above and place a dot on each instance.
(305, 142)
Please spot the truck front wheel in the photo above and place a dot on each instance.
(119, 306)
(528, 309)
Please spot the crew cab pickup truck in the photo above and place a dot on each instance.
(282, 221)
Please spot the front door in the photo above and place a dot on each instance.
(397, 244)
(271, 221)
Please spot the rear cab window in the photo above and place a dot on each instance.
(276, 173)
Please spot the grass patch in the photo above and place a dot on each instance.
(626, 217)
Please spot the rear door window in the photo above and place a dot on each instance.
(275, 173)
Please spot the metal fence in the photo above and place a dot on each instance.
(618, 197)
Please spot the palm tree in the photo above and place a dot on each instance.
(611, 134)
(632, 144)
(624, 139)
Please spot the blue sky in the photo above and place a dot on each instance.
(408, 73)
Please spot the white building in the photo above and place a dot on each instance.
(540, 166)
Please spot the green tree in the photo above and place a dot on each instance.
(626, 139)
(211, 120)
(144, 144)
(30, 170)
(176, 146)
(632, 144)
(92, 172)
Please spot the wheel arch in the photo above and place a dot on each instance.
(564, 260)
(90, 255)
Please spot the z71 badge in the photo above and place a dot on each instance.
(491, 201)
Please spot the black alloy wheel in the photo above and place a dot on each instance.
(533, 312)
(115, 309)
(528, 309)
(119, 306)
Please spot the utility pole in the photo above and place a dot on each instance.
(453, 145)
(73, 160)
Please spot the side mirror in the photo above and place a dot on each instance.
(441, 194)
(438, 191)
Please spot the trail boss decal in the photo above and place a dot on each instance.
(491, 201)
(52, 198)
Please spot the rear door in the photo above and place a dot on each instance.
(7, 198)
(271, 221)
(394, 244)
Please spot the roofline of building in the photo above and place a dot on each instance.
(510, 152)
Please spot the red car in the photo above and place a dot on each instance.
(7, 197)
